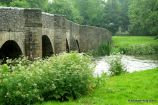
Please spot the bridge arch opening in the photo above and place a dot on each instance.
(78, 46)
(47, 49)
(10, 49)
(67, 46)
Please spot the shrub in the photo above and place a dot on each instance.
(102, 50)
(135, 45)
(156, 37)
(141, 49)
(59, 77)
(116, 67)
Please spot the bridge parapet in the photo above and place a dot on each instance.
(12, 19)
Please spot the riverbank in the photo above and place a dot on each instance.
(139, 87)
(130, 63)
(135, 45)
(128, 89)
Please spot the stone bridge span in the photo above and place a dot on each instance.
(33, 33)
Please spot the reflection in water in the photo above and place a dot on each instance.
(131, 63)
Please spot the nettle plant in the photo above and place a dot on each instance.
(62, 77)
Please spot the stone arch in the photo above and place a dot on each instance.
(10, 49)
(78, 46)
(47, 49)
(67, 46)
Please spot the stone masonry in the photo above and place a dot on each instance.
(38, 34)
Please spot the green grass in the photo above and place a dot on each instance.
(123, 41)
(135, 45)
(118, 90)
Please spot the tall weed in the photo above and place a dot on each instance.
(116, 67)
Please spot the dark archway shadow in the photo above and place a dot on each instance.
(67, 46)
(47, 49)
(10, 49)
(78, 46)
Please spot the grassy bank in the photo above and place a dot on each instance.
(122, 90)
(135, 45)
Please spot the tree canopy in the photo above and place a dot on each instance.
(139, 17)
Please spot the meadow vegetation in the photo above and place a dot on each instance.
(135, 45)
(62, 77)
(138, 88)
(128, 45)
(67, 79)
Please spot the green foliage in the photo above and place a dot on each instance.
(102, 50)
(117, 90)
(5, 2)
(42, 4)
(90, 10)
(63, 77)
(126, 15)
(135, 45)
(111, 15)
(65, 7)
(156, 37)
(116, 67)
(139, 49)
(19, 3)
(144, 17)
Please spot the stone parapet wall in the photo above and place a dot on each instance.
(12, 19)
(47, 20)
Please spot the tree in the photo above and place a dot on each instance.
(112, 17)
(42, 4)
(91, 11)
(5, 2)
(124, 15)
(143, 15)
(19, 3)
(65, 7)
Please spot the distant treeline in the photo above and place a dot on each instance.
(136, 17)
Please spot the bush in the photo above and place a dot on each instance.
(156, 37)
(60, 77)
(116, 67)
(135, 45)
(141, 49)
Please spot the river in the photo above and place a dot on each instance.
(131, 63)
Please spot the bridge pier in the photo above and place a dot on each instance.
(59, 34)
(33, 30)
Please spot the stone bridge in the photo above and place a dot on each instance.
(33, 33)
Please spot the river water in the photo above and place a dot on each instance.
(131, 63)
